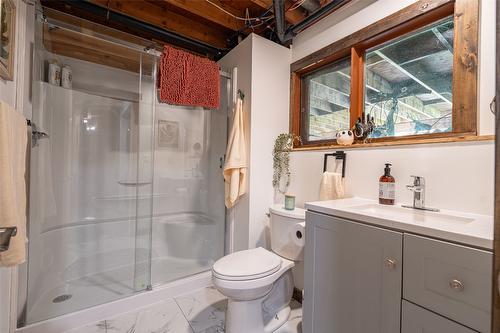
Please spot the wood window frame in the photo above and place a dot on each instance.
(420, 14)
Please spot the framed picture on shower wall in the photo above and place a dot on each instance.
(7, 38)
(168, 134)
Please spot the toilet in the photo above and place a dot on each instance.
(259, 283)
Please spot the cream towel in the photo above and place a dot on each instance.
(332, 186)
(235, 169)
(13, 148)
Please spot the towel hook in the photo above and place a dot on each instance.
(35, 134)
(5, 235)
(241, 94)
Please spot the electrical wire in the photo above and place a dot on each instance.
(296, 5)
(246, 19)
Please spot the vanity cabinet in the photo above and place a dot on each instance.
(416, 319)
(353, 277)
(362, 278)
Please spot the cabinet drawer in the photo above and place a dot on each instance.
(449, 279)
(417, 320)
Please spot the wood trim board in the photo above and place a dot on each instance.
(411, 18)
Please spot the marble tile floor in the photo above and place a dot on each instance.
(201, 311)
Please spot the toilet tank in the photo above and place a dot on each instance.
(287, 232)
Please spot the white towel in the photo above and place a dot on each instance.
(235, 169)
(13, 148)
(332, 186)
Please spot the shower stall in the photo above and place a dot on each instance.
(126, 193)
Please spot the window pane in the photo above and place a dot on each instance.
(326, 101)
(408, 82)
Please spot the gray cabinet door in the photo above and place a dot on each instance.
(352, 277)
(449, 279)
(419, 320)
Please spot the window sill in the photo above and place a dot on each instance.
(401, 142)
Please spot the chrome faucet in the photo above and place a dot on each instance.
(418, 189)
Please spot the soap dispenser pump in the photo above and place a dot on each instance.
(387, 187)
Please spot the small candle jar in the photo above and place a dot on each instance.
(289, 201)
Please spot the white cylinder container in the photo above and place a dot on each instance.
(67, 77)
(54, 75)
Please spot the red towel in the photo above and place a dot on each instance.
(188, 79)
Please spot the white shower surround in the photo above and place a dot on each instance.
(84, 223)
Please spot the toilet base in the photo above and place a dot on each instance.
(278, 320)
(246, 316)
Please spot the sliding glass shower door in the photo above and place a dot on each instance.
(189, 211)
(91, 179)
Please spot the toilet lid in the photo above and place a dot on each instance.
(247, 265)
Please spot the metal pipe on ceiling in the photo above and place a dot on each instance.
(293, 30)
(311, 5)
(279, 18)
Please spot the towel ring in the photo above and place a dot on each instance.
(339, 155)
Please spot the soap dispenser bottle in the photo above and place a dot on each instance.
(386, 187)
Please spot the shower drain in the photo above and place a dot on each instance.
(61, 298)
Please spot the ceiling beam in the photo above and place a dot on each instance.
(206, 10)
(80, 46)
(161, 17)
(291, 16)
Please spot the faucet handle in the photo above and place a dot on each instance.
(418, 180)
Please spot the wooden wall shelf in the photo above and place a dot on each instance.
(451, 139)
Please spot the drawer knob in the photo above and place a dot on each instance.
(457, 285)
(390, 264)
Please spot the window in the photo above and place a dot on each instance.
(327, 101)
(408, 89)
(415, 73)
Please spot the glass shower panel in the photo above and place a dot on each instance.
(91, 180)
(189, 212)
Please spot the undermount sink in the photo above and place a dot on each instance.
(461, 227)
(409, 214)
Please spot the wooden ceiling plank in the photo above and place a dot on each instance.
(211, 13)
(168, 20)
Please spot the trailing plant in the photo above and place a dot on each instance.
(281, 160)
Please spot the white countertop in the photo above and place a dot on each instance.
(470, 229)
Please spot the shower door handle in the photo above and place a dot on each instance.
(134, 183)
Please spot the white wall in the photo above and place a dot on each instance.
(263, 75)
(270, 91)
(459, 176)
(16, 94)
(237, 217)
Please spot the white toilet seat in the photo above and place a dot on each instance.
(247, 265)
(251, 284)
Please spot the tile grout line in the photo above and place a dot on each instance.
(182, 312)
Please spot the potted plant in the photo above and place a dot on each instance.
(283, 145)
